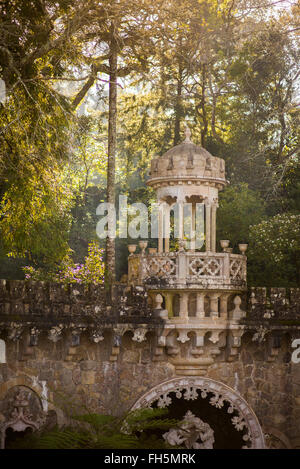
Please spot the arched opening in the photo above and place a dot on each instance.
(23, 412)
(226, 436)
(230, 421)
(13, 439)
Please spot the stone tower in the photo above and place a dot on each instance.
(198, 290)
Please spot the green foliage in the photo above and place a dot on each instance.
(239, 208)
(210, 63)
(94, 431)
(92, 271)
(35, 219)
(275, 249)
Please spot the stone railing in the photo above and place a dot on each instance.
(274, 305)
(205, 269)
(47, 303)
(33, 311)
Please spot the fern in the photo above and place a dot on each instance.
(95, 431)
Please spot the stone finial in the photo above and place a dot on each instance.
(187, 134)
(237, 313)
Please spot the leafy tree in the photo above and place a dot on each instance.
(91, 271)
(275, 250)
(120, 36)
(239, 208)
(211, 62)
(35, 219)
(35, 120)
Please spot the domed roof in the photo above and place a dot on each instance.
(187, 148)
(187, 163)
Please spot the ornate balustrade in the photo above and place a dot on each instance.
(208, 270)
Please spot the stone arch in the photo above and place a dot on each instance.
(2, 351)
(194, 387)
(276, 439)
(22, 411)
(25, 381)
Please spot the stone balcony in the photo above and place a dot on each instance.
(187, 269)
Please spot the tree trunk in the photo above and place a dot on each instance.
(112, 133)
(178, 107)
(203, 108)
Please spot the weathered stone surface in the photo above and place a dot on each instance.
(88, 377)
(262, 374)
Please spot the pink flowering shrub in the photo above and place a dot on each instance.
(92, 271)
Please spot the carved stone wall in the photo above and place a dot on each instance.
(87, 376)
(110, 371)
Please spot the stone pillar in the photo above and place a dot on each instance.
(169, 304)
(181, 267)
(200, 313)
(193, 231)
(207, 227)
(183, 308)
(166, 216)
(213, 305)
(160, 228)
(213, 227)
(180, 221)
(224, 306)
(226, 264)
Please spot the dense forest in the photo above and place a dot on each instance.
(92, 90)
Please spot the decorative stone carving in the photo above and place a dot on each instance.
(55, 333)
(183, 337)
(260, 334)
(20, 416)
(139, 334)
(237, 269)
(276, 440)
(194, 387)
(207, 270)
(77, 329)
(15, 331)
(193, 433)
(160, 266)
(96, 336)
(202, 266)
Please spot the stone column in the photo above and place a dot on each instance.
(213, 227)
(183, 308)
(224, 306)
(207, 227)
(200, 313)
(180, 216)
(213, 305)
(169, 304)
(160, 228)
(166, 216)
(193, 233)
(226, 267)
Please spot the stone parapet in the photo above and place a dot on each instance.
(270, 305)
(203, 270)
